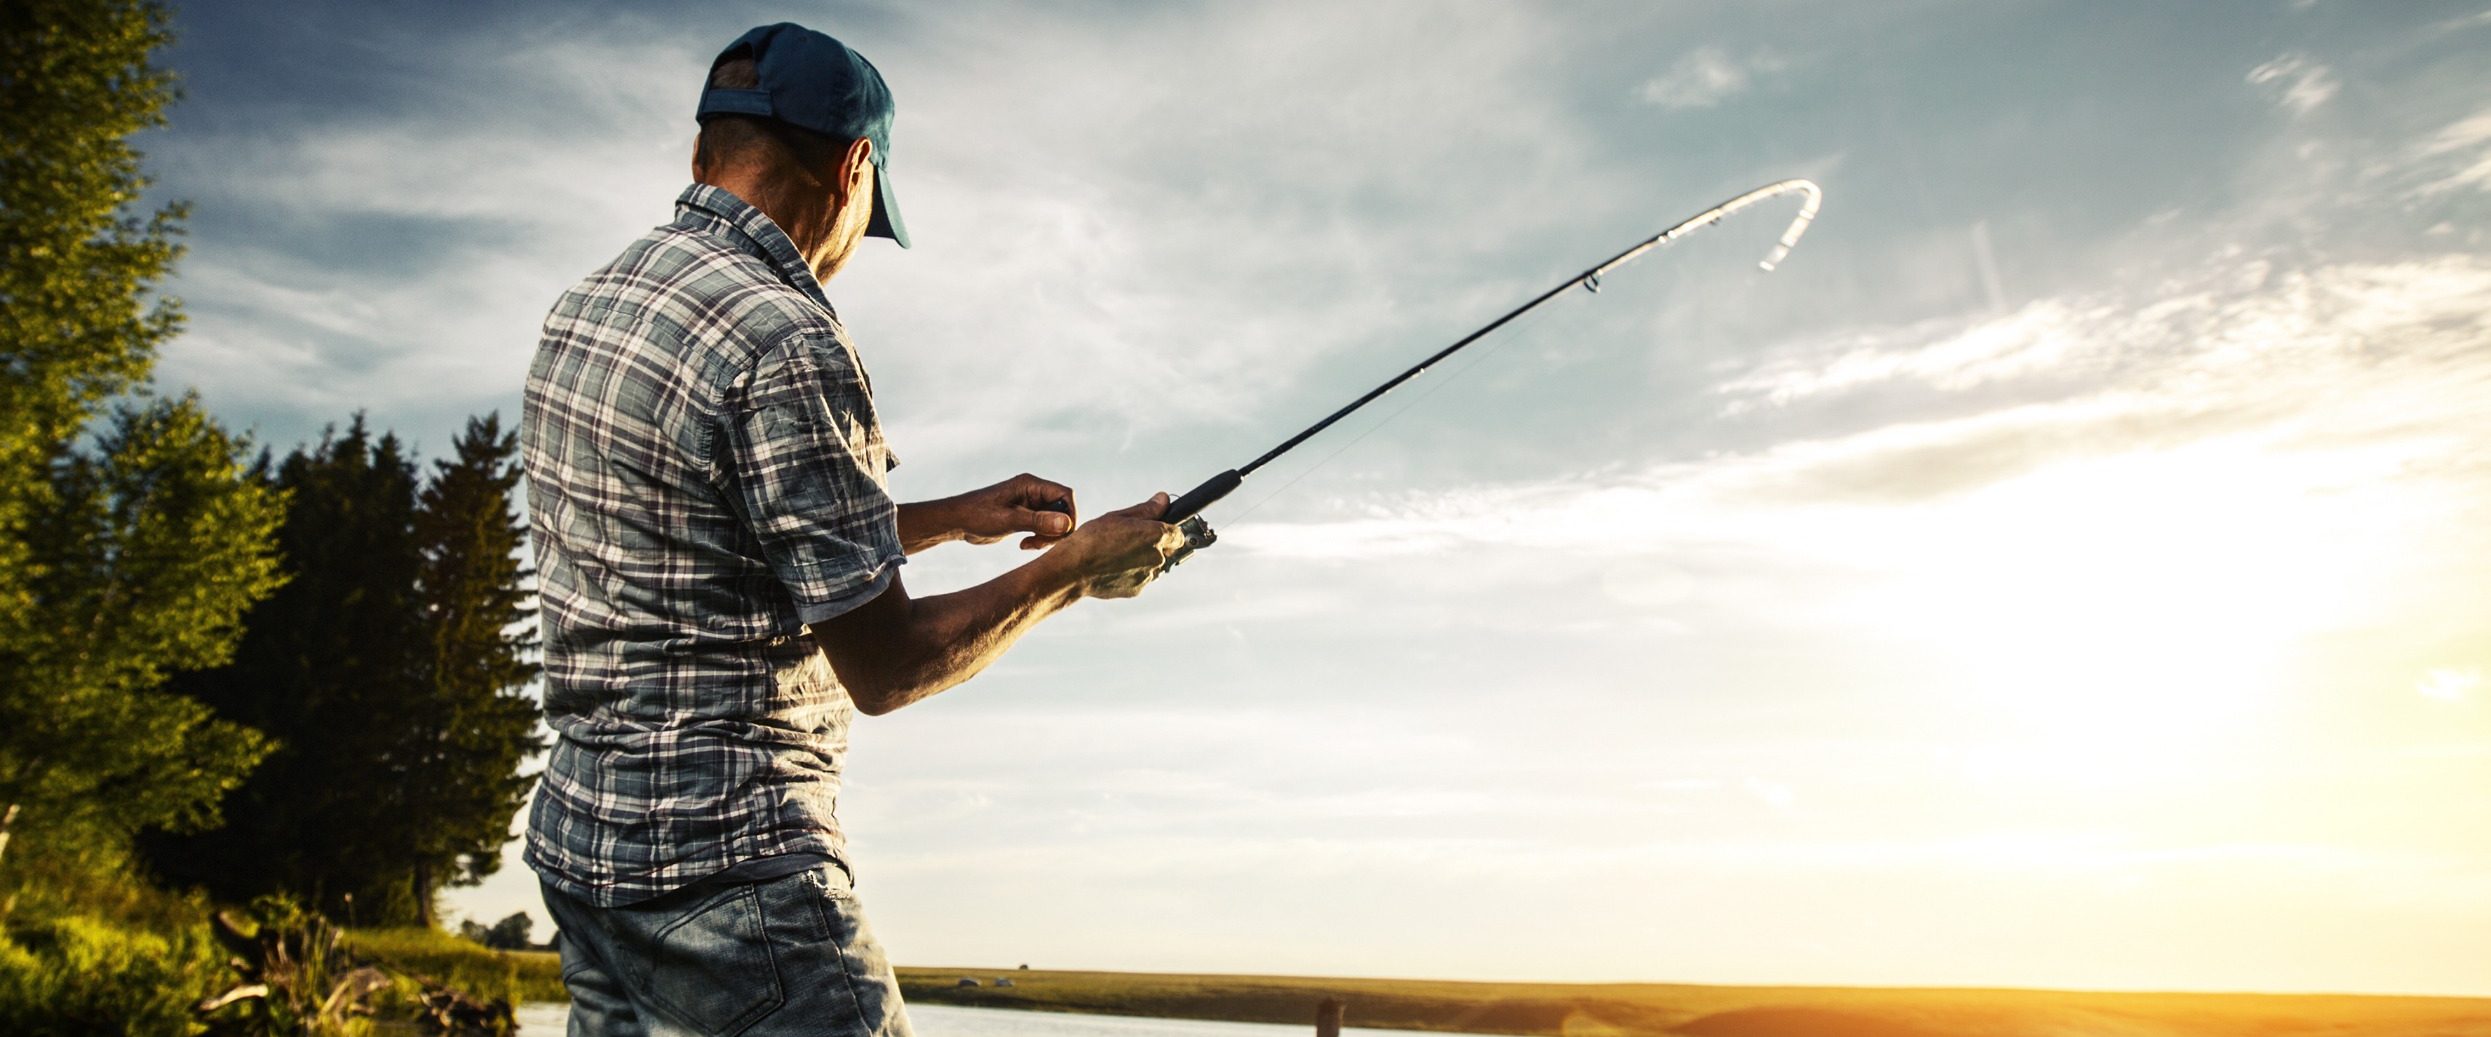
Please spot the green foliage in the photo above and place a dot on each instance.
(455, 961)
(155, 544)
(133, 558)
(52, 878)
(79, 975)
(135, 554)
(293, 976)
(509, 934)
(75, 265)
(391, 666)
(76, 326)
(470, 733)
(91, 948)
(325, 666)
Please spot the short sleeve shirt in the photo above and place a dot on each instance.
(705, 478)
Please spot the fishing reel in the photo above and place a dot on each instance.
(1198, 535)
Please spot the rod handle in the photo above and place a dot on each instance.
(1200, 497)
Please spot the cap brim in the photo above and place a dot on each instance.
(886, 222)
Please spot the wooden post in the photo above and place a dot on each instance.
(1328, 1017)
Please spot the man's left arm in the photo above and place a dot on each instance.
(1021, 504)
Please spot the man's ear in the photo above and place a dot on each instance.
(858, 162)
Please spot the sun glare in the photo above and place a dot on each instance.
(2122, 615)
(2449, 684)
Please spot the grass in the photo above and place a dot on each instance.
(463, 963)
(1603, 1010)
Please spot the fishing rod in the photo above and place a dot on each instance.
(1186, 510)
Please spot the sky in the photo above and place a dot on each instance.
(2065, 571)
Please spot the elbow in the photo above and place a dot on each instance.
(872, 681)
(880, 694)
(871, 694)
(873, 704)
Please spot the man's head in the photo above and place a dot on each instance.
(797, 124)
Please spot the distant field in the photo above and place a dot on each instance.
(1603, 1010)
(463, 963)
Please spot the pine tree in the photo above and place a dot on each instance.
(331, 666)
(392, 667)
(477, 724)
(133, 555)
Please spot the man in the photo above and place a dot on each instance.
(719, 568)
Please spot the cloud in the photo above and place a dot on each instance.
(1053, 237)
(2466, 141)
(2342, 355)
(1707, 76)
(2461, 23)
(2036, 338)
(2301, 84)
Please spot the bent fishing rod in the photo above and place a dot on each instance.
(1186, 510)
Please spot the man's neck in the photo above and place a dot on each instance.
(800, 213)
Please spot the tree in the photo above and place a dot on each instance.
(392, 667)
(329, 666)
(152, 545)
(470, 733)
(135, 555)
(509, 934)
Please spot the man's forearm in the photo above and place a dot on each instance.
(925, 645)
(894, 650)
(1022, 504)
(925, 524)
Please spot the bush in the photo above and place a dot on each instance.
(77, 975)
(509, 934)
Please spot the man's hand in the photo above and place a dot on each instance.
(895, 649)
(1119, 553)
(1021, 504)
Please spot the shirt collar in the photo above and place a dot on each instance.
(718, 211)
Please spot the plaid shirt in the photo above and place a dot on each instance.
(705, 477)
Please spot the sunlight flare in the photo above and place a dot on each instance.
(2449, 684)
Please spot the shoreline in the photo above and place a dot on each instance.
(1601, 1009)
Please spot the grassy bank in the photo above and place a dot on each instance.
(1602, 1010)
(88, 946)
(464, 963)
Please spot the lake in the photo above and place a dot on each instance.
(541, 1018)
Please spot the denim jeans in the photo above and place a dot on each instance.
(785, 956)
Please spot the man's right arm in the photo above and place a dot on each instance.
(895, 650)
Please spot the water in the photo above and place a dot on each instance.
(544, 1018)
(539, 1018)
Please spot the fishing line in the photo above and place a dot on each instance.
(1186, 510)
(1449, 378)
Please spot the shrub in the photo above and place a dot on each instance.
(77, 975)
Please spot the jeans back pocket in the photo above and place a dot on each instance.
(714, 966)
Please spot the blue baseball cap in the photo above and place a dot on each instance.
(813, 82)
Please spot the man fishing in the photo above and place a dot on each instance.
(719, 568)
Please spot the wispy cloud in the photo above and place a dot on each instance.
(2466, 142)
(1051, 239)
(2338, 355)
(2299, 82)
(2477, 20)
(1707, 76)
